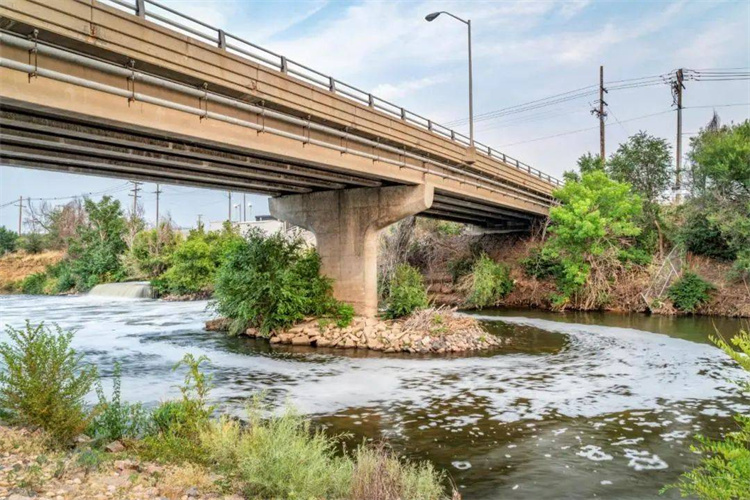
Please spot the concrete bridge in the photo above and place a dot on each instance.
(133, 89)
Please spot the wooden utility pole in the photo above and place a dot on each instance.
(602, 114)
(678, 86)
(158, 192)
(20, 214)
(134, 191)
(229, 212)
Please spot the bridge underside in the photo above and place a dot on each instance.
(33, 136)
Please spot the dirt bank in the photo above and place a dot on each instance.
(16, 266)
(731, 297)
(29, 470)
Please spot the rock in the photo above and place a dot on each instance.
(274, 339)
(301, 339)
(82, 439)
(115, 447)
(323, 342)
(251, 332)
(16, 496)
(192, 492)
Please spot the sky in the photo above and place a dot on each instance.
(522, 51)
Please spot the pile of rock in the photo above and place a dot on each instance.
(428, 331)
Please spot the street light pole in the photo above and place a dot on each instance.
(432, 17)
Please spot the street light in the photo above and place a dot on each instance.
(431, 17)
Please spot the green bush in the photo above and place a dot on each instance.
(117, 419)
(724, 470)
(8, 240)
(689, 292)
(151, 252)
(541, 265)
(176, 425)
(32, 243)
(460, 267)
(407, 292)
(491, 282)
(271, 283)
(34, 284)
(192, 268)
(702, 236)
(283, 457)
(44, 382)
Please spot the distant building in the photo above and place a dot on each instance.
(268, 225)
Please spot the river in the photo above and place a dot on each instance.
(582, 405)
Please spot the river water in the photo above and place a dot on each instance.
(582, 405)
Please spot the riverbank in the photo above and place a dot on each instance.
(29, 469)
(432, 330)
(16, 266)
(730, 298)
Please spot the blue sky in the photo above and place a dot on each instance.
(523, 50)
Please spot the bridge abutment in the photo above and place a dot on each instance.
(346, 224)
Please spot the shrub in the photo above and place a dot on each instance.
(32, 243)
(271, 283)
(490, 282)
(34, 284)
(115, 418)
(702, 236)
(724, 470)
(540, 264)
(279, 457)
(176, 425)
(8, 240)
(689, 292)
(460, 267)
(44, 382)
(407, 292)
(192, 268)
(379, 474)
(282, 457)
(151, 252)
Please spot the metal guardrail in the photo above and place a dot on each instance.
(226, 41)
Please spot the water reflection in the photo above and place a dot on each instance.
(579, 406)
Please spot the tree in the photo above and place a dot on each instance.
(586, 163)
(96, 248)
(720, 203)
(645, 162)
(720, 161)
(592, 233)
(8, 240)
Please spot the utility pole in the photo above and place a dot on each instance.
(158, 192)
(601, 114)
(200, 223)
(244, 207)
(229, 213)
(134, 194)
(20, 214)
(677, 87)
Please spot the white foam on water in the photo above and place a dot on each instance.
(594, 453)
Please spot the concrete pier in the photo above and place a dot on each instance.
(346, 225)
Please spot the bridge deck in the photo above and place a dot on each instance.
(112, 93)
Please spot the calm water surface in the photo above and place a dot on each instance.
(582, 405)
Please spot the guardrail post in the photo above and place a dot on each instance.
(222, 40)
(453, 135)
(140, 8)
(429, 125)
(370, 100)
(284, 65)
(505, 158)
(403, 114)
(331, 84)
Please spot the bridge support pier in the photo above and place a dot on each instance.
(346, 225)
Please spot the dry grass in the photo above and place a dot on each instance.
(176, 480)
(16, 266)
